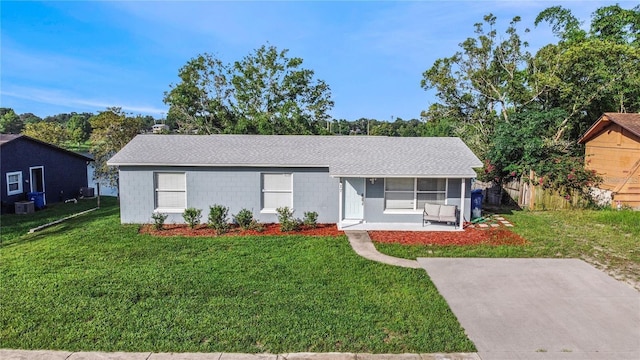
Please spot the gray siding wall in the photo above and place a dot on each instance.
(374, 202)
(236, 188)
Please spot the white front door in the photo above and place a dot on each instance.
(354, 198)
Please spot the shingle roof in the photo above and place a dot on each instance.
(343, 155)
(7, 138)
(628, 121)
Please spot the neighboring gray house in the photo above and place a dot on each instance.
(345, 179)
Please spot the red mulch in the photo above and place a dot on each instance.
(269, 229)
(470, 236)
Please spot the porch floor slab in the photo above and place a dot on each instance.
(398, 227)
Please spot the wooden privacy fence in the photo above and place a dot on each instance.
(535, 197)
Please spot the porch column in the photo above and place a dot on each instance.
(340, 197)
(463, 185)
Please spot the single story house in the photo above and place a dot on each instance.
(612, 149)
(347, 180)
(30, 165)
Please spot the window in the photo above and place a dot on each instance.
(276, 191)
(412, 193)
(170, 191)
(14, 183)
(431, 191)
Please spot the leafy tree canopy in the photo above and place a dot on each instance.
(112, 130)
(525, 112)
(266, 92)
(10, 122)
(50, 132)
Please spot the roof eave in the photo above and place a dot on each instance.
(110, 163)
(594, 129)
(426, 176)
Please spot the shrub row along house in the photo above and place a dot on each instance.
(613, 151)
(351, 181)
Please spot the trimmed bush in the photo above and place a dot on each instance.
(158, 220)
(287, 221)
(256, 226)
(311, 219)
(244, 218)
(192, 216)
(218, 218)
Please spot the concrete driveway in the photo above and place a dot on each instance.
(540, 308)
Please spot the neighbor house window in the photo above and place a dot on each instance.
(171, 191)
(276, 191)
(412, 193)
(14, 183)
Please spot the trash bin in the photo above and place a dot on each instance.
(37, 198)
(476, 203)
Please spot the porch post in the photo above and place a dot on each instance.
(340, 204)
(463, 186)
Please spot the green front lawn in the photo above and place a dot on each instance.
(609, 239)
(93, 284)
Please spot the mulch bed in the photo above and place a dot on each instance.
(269, 229)
(470, 236)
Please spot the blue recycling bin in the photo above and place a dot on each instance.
(38, 199)
(476, 203)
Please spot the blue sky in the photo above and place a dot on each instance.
(85, 56)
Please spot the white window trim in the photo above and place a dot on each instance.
(415, 209)
(264, 210)
(19, 190)
(155, 193)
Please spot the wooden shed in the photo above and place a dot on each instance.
(613, 151)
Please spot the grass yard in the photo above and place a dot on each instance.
(12, 226)
(93, 284)
(609, 239)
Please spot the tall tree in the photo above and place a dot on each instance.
(50, 132)
(595, 71)
(112, 130)
(29, 118)
(277, 95)
(201, 101)
(479, 84)
(266, 92)
(79, 128)
(10, 122)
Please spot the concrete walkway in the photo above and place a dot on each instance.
(362, 245)
(67, 355)
(539, 308)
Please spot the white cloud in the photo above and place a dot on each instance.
(74, 102)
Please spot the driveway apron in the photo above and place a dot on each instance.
(540, 308)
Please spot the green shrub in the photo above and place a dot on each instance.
(218, 218)
(255, 225)
(244, 218)
(311, 219)
(158, 220)
(287, 221)
(192, 216)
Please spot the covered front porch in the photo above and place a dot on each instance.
(397, 203)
